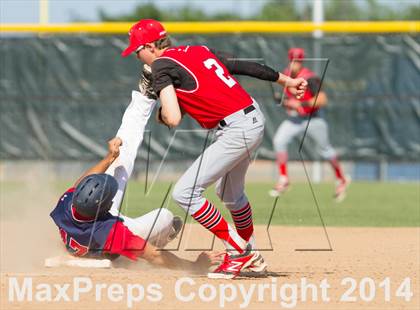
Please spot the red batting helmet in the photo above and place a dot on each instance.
(142, 32)
(296, 53)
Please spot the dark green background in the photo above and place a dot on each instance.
(49, 84)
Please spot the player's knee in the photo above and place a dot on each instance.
(227, 199)
(280, 147)
(235, 202)
(328, 154)
(219, 190)
(223, 192)
(280, 144)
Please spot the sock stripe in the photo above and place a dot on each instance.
(242, 217)
(244, 225)
(207, 209)
(216, 222)
(239, 211)
(206, 213)
(211, 217)
(246, 219)
(243, 221)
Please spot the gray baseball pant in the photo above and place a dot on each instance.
(225, 161)
(317, 130)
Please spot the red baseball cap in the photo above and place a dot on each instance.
(142, 32)
(296, 53)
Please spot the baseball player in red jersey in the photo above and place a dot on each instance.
(88, 214)
(299, 111)
(197, 81)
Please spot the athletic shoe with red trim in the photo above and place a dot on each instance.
(232, 265)
(341, 189)
(258, 266)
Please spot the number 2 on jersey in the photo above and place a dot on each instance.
(229, 81)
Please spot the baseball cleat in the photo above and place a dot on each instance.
(341, 189)
(258, 266)
(177, 223)
(232, 265)
(281, 187)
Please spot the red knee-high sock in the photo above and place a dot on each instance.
(337, 168)
(211, 218)
(243, 222)
(282, 163)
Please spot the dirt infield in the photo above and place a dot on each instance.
(358, 254)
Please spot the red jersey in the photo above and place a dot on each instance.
(217, 94)
(306, 74)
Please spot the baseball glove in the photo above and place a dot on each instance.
(145, 83)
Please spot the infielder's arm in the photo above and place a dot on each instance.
(170, 111)
(113, 152)
(254, 69)
(321, 99)
(165, 78)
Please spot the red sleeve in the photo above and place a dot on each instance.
(123, 242)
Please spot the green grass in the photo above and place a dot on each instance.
(367, 204)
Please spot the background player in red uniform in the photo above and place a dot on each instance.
(299, 112)
(197, 81)
(88, 214)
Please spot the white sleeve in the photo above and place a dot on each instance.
(131, 133)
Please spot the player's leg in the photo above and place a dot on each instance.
(231, 147)
(131, 133)
(284, 135)
(207, 169)
(158, 226)
(318, 131)
(230, 189)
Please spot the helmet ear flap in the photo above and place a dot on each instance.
(108, 194)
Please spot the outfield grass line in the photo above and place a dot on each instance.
(367, 204)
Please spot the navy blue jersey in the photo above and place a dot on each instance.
(82, 237)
